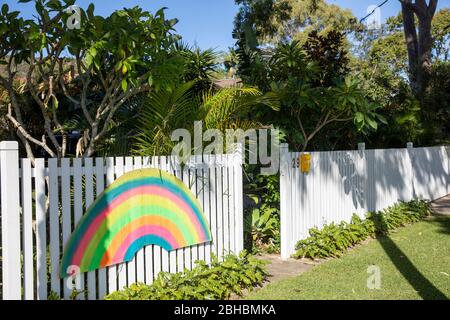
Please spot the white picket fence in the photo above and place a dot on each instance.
(35, 227)
(342, 183)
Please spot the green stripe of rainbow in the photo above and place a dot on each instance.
(142, 207)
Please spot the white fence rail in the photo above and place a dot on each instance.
(342, 183)
(41, 205)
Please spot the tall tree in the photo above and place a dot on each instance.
(306, 16)
(97, 68)
(419, 44)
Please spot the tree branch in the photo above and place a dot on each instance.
(22, 131)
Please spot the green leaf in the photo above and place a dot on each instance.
(124, 85)
(359, 117)
(90, 11)
(150, 80)
(382, 119)
(5, 9)
(55, 102)
(372, 123)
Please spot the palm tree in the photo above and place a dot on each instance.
(200, 65)
(166, 111)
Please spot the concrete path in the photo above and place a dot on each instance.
(281, 269)
(441, 206)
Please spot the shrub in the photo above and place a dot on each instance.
(334, 239)
(262, 228)
(204, 282)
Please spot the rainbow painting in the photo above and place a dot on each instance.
(142, 207)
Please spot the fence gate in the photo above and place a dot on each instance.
(342, 183)
(41, 205)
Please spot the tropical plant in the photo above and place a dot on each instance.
(167, 110)
(262, 228)
(199, 64)
(317, 96)
(219, 280)
(334, 239)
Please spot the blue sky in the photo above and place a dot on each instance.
(209, 23)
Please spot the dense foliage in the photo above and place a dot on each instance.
(204, 282)
(334, 239)
(377, 60)
(79, 78)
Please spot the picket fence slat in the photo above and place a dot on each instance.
(89, 198)
(54, 225)
(225, 216)
(27, 234)
(66, 217)
(207, 207)
(41, 230)
(219, 210)
(77, 215)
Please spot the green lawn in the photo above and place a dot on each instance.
(414, 264)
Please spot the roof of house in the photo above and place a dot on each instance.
(228, 83)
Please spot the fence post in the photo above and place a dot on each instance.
(362, 146)
(10, 208)
(238, 157)
(410, 149)
(284, 210)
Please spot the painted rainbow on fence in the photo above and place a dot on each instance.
(141, 208)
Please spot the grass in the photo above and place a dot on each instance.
(414, 264)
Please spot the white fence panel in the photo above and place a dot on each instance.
(54, 195)
(343, 183)
(430, 172)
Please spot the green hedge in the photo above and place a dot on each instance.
(334, 239)
(219, 280)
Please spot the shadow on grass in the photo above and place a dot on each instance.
(415, 278)
(444, 223)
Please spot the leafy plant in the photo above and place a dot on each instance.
(262, 226)
(168, 110)
(334, 239)
(262, 213)
(204, 282)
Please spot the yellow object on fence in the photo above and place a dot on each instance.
(305, 163)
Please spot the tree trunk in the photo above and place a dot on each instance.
(409, 28)
(419, 46)
(425, 47)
